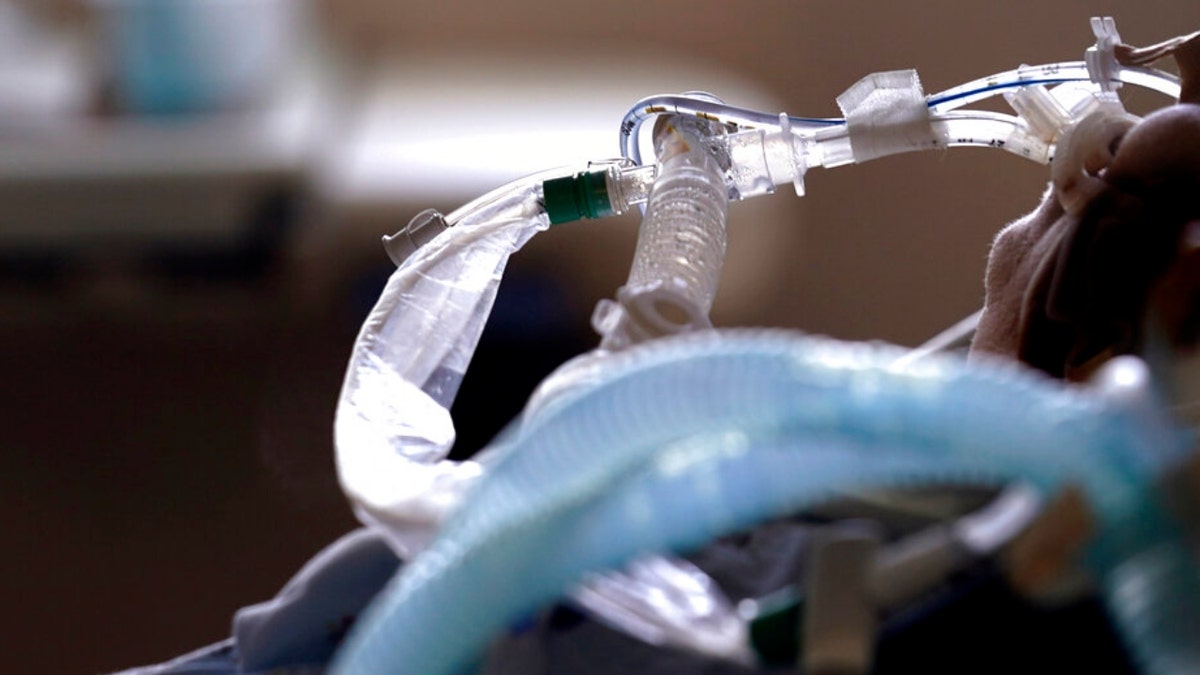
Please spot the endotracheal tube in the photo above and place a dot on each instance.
(768, 150)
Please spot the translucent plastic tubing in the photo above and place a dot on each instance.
(956, 126)
(684, 439)
(392, 428)
(682, 235)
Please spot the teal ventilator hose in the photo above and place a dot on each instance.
(688, 438)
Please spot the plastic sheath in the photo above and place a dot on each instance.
(688, 438)
(392, 427)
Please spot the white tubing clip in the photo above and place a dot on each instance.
(1101, 59)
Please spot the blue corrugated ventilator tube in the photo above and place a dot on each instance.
(687, 439)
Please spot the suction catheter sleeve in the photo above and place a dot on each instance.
(392, 427)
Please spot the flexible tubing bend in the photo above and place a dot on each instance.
(688, 438)
(392, 427)
(939, 104)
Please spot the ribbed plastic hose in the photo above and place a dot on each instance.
(682, 238)
(695, 437)
(681, 242)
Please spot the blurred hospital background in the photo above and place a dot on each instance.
(192, 194)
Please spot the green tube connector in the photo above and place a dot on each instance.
(583, 195)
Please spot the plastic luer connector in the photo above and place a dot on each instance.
(761, 159)
(422, 229)
(597, 194)
(583, 195)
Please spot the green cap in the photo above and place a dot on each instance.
(584, 195)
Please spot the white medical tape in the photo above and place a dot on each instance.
(886, 114)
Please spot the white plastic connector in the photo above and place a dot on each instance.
(762, 159)
(1101, 59)
(798, 164)
(1080, 100)
(1042, 112)
(1084, 151)
(421, 230)
(646, 312)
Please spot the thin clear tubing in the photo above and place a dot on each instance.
(940, 107)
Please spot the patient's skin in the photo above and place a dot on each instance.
(1166, 143)
(1066, 292)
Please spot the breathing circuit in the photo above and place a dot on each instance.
(766, 150)
(582, 461)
